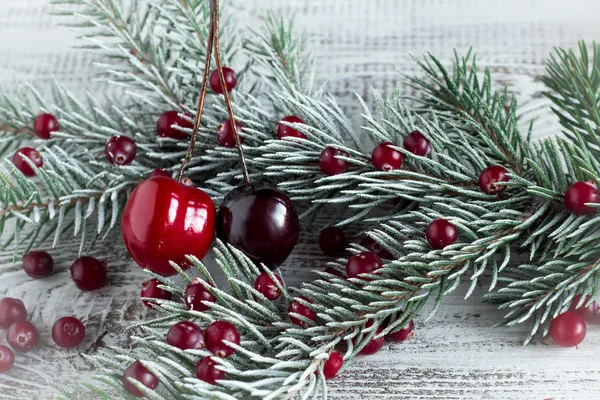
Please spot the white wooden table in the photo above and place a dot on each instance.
(358, 44)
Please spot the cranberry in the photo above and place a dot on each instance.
(88, 273)
(333, 364)
(11, 311)
(185, 335)
(230, 80)
(195, 293)
(44, 125)
(22, 336)
(330, 163)
(68, 332)
(403, 334)
(385, 157)
(578, 195)
(226, 135)
(206, 371)
(299, 308)
(141, 374)
(159, 172)
(215, 336)
(441, 233)
(151, 290)
(568, 329)
(587, 310)
(120, 150)
(30, 153)
(332, 241)
(7, 359)
(168, 122)
(368, 243)
(285, 130)
(267, 287)
(38, 264)
(374, 345)
(490, 176)
(417, 144)
(363, 263)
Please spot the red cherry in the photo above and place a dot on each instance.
(38, 264)
(580, 193)
(333, 364)
(159, 172)
(141, 374)
(441, 233)
(185, 335)
(44, 125)
(363, 263)
(226, 135)
(385, 157)
(407, 332)
(265, 286)
(195, 293)
(299, 308)
(417, 144)
(206, 371)
(330, 163)
(215, 335)
(88, 273)
(490, 176)
(150, 289)
(568, 329)
(7, 359)
(332, 241)
(22, 336)
(587, 310)
(120, 150)
(167, 123)
(163, 221)
(285, 130)
(230, 80)
(68, 332)
(30, 153)
(11, 311)
(368, 243)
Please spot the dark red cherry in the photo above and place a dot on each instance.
(490, 176)
(332, 241)
(330, 163)
(195, 293)
(215, 335)
(363, 263)
(285, 130)
(22, 336)
(230, 80)
(385, 157)
(11, 311)
(299, 308)
(44, 125)
(141, 374)
(407, 332)
(168, 123)
(38, 264)
(587, 310)
(333, 364)
(30, 153)
(151, 289)
(120, 150)
(370, 244)
(417, 144)
(185, 335)
(265, 286)
(159, 172)
(262, 222)
(68, 332)
(7, 359)
(226, 135)
(580, 193)
(441, 233)
(88, 273)
(163, 221)
(206, 371)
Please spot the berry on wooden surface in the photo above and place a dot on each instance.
(568, 329)
(38, 264)
(332, 241)
(141, 374)
(7, 359)
(407, 332)
(11, 311)
(88, 273)
(333, 364)
(23, 336)
(68, 332)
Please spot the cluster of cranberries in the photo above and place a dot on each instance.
(569, 328)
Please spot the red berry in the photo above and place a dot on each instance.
(120, 150)
(332, 241)
(333, 364)
(167, 123)
(385, 158)
(329, 162)
(333, 271)
(44, 125)
(301, 309)
(195, 293)
(417, 144)
(30, 153)
(568, 329)
(68, 332)
(230, 80)
(88, 273)
(185, 335)
(138, 372)
(226, 135)
(11, 311)
(363, 263)
(370, 244)
(206, 371)
(22, 336)
(374, 345)
(587, 310)
(285, 130)
(490, 176)
(159, 172)
(38, 264)
(266, 286)
(407, 332)
(441, 233)
(580, 193)
(215, 335)
(150, 289)
(163, 221)
(7, 359)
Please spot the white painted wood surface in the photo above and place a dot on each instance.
(358, 44)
